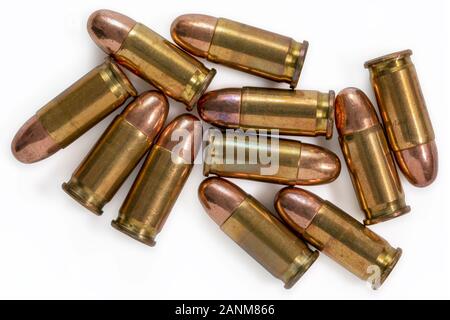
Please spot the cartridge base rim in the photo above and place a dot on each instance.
(387, 217)
(289, 284)
(299, 65)
(71, 191)
(132, 233)
(391, 56)
(209, 77)
(331, 115)
(389, 268)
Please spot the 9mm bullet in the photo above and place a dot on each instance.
(150, 56)
(338, 235)
(246, 48)
(291, 112)
(118, 151)
(80, 107)
(160, 181)
(248, 223)
(369, 160)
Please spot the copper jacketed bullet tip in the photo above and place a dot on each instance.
(220, 198)
(109, 29)
(419, 164)
(148, 113)
(32, 142)
(318, 165)
(354, 111)
(221, 108)
(297, 207)
(194, 32)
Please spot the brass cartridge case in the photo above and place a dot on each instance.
(278, 161)
(151, 57)
(338, 235)
(72, 113)
(243, 47)
(85, 103)
(249, 224)
(292, 112)
(160, 181)
(369, 160)
(118, 151)
(405, 116)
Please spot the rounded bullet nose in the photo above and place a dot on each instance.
(317, 165)
(297, 207)
(221, 108)
(109, 29)
(32, 142)
(220, 198)
(419, 164)
(354, 111)
(183, 136)
(194, 33)
(148, 113)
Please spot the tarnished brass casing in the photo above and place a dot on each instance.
(257, 51)
(164, 65)
(348, 242)
(85, 103)
(269, 242)
(247, 157)
(156, 189)
(291, 112)
(118, 151)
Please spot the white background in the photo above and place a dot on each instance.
(51, 247)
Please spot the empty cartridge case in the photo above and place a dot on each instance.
(338, 235)
(64, 119)
(246, 48)
(150, 56)
(369, 160)
(248, 223)
(160, 181)
(118, 151)
(292, 112)
(273, 160)
(405, 116)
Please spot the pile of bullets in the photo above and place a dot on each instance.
(279, 243)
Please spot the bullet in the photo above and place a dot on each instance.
(248, 223)
(292, 112)
(338, 235)
(97, 179)
(160, 181)
(150, 56)
(405, 116)
(369, 160)
(72, 113)
(242, 47)
(260, 158)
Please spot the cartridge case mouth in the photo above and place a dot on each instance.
(387, 271)
(299, 65)
(139, 234)
(331, 114)
(120, 76)
(389, 216)
(300, 269)
(84, 196)
(386, 58)
(208, 155)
